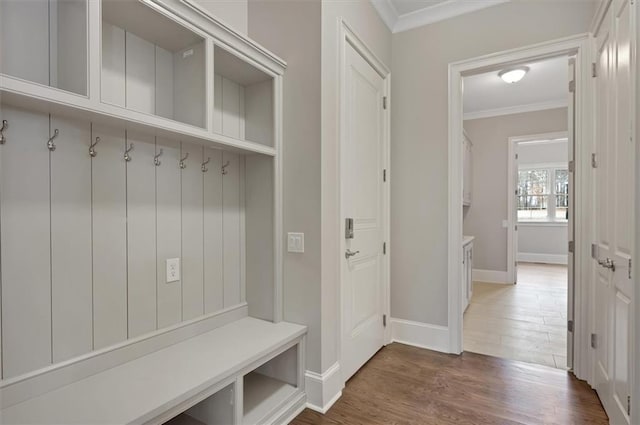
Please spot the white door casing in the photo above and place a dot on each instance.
(363, 158)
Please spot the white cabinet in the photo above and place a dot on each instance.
(467, 167)
(467, 271)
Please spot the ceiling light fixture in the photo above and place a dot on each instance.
(513, 75)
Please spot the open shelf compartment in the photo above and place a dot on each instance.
(217, 409)
(151, 63)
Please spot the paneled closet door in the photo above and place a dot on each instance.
(213, 239)
(141, 235)
(233, 227)
(168, 230)
(25, 239)
(192, 179)
(71, 265)
(109, 217)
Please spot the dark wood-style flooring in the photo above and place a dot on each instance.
(408, 385)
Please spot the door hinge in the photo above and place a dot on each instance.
(517, 156)
(594, 341)
(384, 102)
(572, 86)
(384, 175)
(629, 268)
(629, 397)
(384, 320)
(594, 70)
(594, 160)
(570, 325)
(572, 166)
(594, 251)
(384, 248)
(572, 246)
(516, 228)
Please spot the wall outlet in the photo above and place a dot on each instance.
(173, 270)
(295, 242)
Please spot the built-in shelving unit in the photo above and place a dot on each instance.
(138, 132)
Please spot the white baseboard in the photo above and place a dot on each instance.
(423, 335)
(530, 257)
(490, 276)
(323, 390)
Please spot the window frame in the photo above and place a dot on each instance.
(551, 169)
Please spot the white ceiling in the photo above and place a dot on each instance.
(402, 15)
(544, 87)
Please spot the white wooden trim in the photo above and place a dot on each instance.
(519, 109)
(579, 45)
(534, 257)
(323, 389)
(423, 335)
(492, 276)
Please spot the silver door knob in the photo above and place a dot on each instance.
(350, 254)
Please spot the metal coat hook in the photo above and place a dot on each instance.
(127, 157)
(50, 145)
(203, 167)
(92, 150)
(182, 164)
(5, 125)
(224, 168)
(156, 159)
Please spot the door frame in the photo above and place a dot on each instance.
(580, 47)
(348, 36)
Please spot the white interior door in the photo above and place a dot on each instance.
(362, 200)
(571, 210)
(614, 213)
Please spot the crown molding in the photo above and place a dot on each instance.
(532, 107)
(428, 15)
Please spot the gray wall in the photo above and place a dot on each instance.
(419, 142)
(490, 137)
(231, 12)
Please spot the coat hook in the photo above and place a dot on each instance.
(156, 159)
(224, 168)
(5, 125)
(182, 164)
(127, 157)
(50, 145)
(203, 167)
(92, 150)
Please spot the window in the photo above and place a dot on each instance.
(543, 194)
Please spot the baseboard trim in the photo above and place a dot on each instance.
(323, 390)
(531, 257)
(422, 335)
(490, 276)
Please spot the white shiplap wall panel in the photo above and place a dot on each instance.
(112, 76)
(109, 233)
(164, 83)
(141, 235)
(217, 104)
(231, 228)
(140, 74)
(192, 179)
(213, 238)
(168, 230)
(232, 109)
(71, 264)
(25, 241)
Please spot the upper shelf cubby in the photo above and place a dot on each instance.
(151, 63)
(243, 99)
(45, 42)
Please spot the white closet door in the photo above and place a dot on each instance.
(71, 293)
(213, 240)
(25, 240)
(141, 235)
(109, 228)
(168, 230)
(192, 232)
(231, 228)
(141, 74)
(112, 77)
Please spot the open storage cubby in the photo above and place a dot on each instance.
(151, 63)
(45, 42)
(217, 409)
(243, 105)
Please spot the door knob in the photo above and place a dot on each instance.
(350, 254)
(608, 264)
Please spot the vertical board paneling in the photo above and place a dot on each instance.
(231, 228)
(164, 83)
(71, 40)
(192, 232)
(217, 103)
(25, 241)
(140, 74)
(259, 112)
(168, 230)
(109, 231)
(141, 235)
(213, 239)
(71, 293)
(190, 93)
(232, 109)
(112, 77)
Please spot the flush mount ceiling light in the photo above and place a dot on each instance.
(513, 75)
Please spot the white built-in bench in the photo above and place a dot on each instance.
(249, 371)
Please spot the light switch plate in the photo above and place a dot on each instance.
(173, 270)
(295, 242)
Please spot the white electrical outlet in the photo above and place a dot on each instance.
(173, 270)
(295, 242)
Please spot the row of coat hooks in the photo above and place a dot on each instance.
(93, 152)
